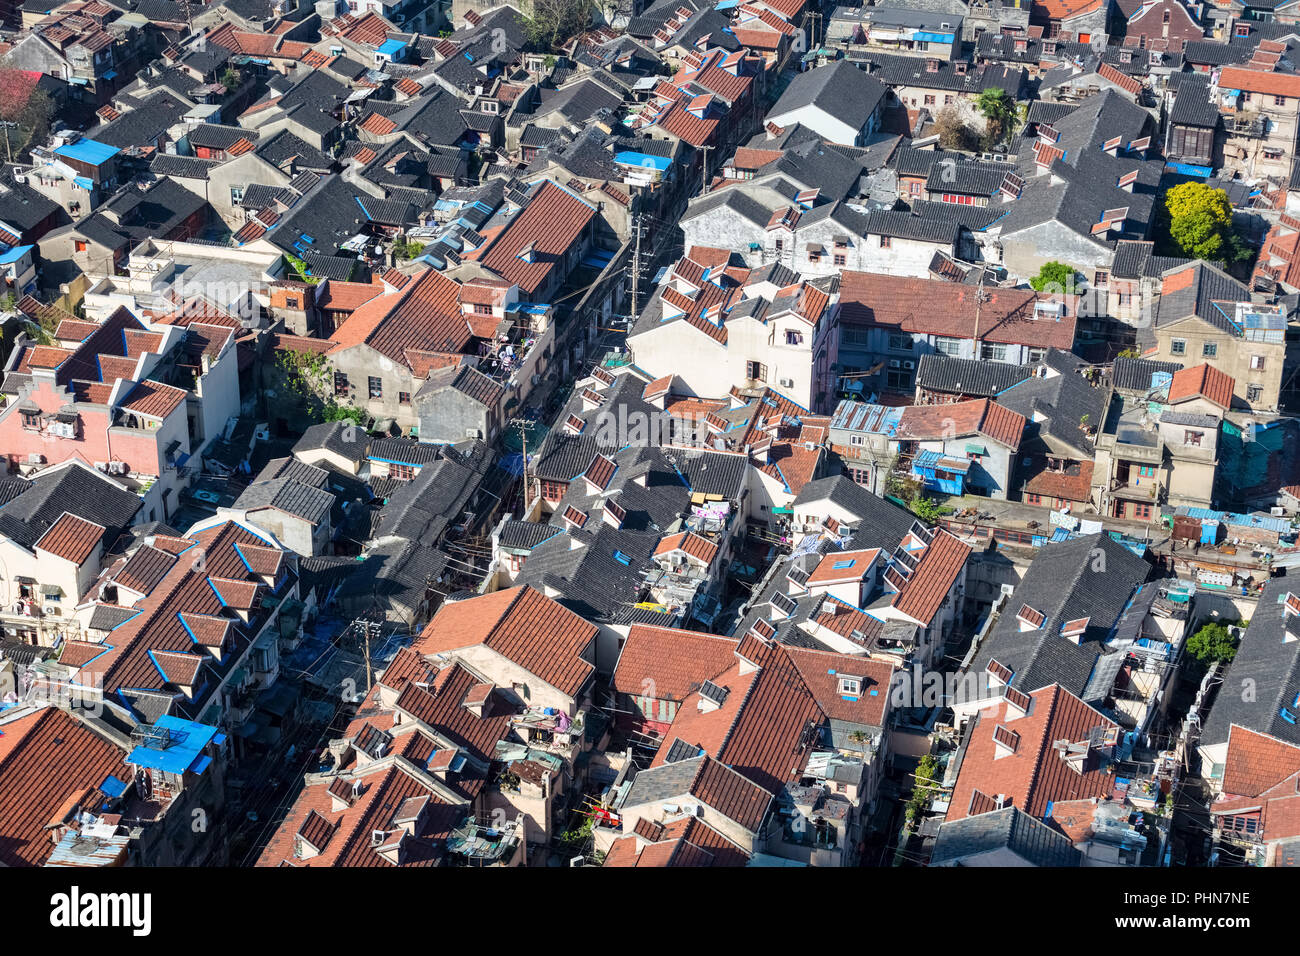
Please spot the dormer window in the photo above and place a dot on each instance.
(850, 686)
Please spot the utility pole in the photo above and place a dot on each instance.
(522, 424)
(636, 270)
(980, 296)
(367, 626)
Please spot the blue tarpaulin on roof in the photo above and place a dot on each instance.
(644, 160)
(14, 254)
(391, 48)
(934, 37)
(174, 745)
(88, 151)
(1187, 169)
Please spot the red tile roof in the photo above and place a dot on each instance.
(386, 789)
(1204, 381)
(685, 842)
(937, 307)
(766, 712)
(155, 399)
(1125, 82)
(928, 586)
(71, 538)
(832, 567)
(1065, 9)
(550, 225)
(523, 626)
(690, 543)
(1058, 484)
(1259, 81)
(46, 758)
(424, 315)
(666, 663)
(1036, 774)
(978, 416)
(1256, 762)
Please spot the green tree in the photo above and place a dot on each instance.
(927, 510)
(230, 79)
(1200, 222)
(1055, 278)
(999, 109)
(927, 784)
(407, 248)
(1213, 642)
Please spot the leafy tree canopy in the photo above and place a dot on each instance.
(1054, 277)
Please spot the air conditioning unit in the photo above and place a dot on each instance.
(787, 383)
(52, 610)
(35, 458)
(471, 433)
(1277, 512)
(909, 365)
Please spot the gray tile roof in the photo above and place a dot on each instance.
(1056, 404)
(1134, 374)
(904, 225)
(1083, 182)
(1192, 106)
(840, 89)
(1209, 285)
(78, 490)
(1086, 577)
(1009, 828)
(1268, 661)
(341, 438)
(287, 495)
(422, 510)
(972, 377)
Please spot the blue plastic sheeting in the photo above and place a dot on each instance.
(643, 160)
(83, 182)
(391, 48)
(88, 151)
(1187, 169)
(934, 37)
(176, 748)
(112, 786)
(14, 254)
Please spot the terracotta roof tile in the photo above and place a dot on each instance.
(45, 758)
(1256, 762)
(71, 538)
(1202, 380)
(1036, 774)
(928, 586)
(522, 625)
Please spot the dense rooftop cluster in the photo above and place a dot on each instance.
(741, 433)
